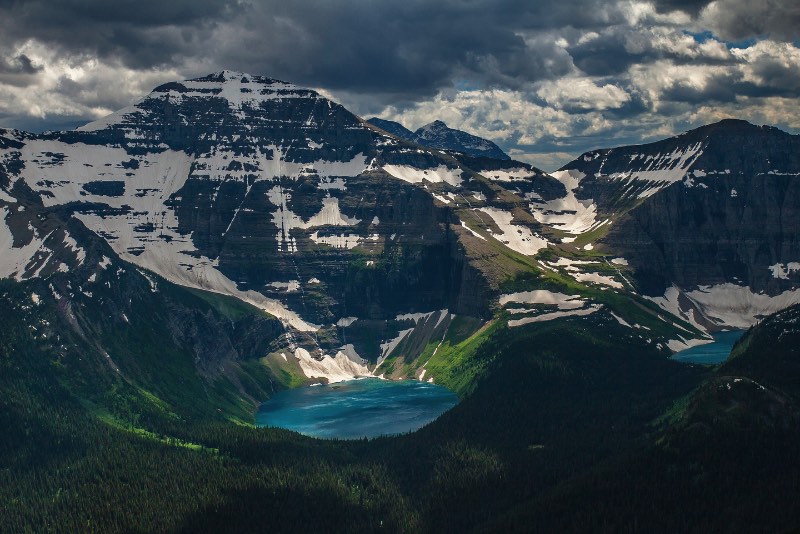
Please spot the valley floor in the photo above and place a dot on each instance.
(570, 430)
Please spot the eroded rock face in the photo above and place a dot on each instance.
(719, 204)
(262, 190)
(271, 194)
(711, 235)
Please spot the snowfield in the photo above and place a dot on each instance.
(725, 305)
(413, 175)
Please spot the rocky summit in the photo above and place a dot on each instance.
(438, 135)
(709, 219)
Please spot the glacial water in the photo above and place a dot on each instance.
(368, 407)
(711, 353)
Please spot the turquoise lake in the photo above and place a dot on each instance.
(368, 407)
(711, 353)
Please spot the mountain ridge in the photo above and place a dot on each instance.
(268, 192)
(438, 135)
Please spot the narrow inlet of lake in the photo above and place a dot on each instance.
(711, 353)
(367, 407)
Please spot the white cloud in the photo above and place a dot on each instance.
(768, 63)
(652, 80)
(644, 13)
(582, 94)
(80, 87)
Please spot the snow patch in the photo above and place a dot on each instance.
(16, 261)
(620, 320)
(290, 287)
(389, 346)
(553, 315)
(567, 213)
(345, 365)
(508, 175)
(473, 232)
(417, 176)
(544, 296)
(72, 245)
(286, 220)
(518, 238)
(726, 305)
(344, 322)
(413, 316)
(597, 278)
(677, 345)
(662, 170)
(782, 272)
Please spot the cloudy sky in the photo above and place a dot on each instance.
(545, 79)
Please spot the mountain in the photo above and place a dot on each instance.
(439, 136)
(269, 193)
(367, 248)
(168, 268)
(708, 220)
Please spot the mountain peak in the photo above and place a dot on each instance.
(236, 77)
(435, 125)
(438, 135)
(242, 93)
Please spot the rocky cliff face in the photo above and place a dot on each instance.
(367, 247)
(716, 207)
(266, 192)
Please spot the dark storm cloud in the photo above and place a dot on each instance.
(401, 50)
(20, 64)
(418, 46)
(744, 19)
(132, 31)
(692, 7)
(411, 48)
(17, 71)
(606, 55)
(27, 123)
(616, 49)
(721, 88)
(403, 53)
(778, 74)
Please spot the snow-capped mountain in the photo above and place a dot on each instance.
(438, 135)
(267, 192)
(709, 220)
(368, 247)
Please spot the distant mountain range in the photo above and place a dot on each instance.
(270, 193)
(439, 136)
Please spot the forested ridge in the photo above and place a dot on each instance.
(568, 429)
